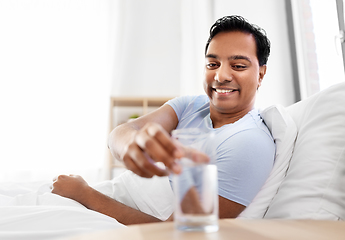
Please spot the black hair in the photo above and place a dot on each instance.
(238, 23)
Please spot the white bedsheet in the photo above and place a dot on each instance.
(30, 211)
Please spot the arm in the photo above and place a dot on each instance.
(227, 208)
(76, 188)
(146, 140)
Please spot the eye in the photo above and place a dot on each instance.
(239, 66)
(211, 65)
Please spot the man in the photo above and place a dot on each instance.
(235, 63)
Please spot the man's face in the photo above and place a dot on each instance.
(232, 72)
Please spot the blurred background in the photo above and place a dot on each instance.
(62, 61)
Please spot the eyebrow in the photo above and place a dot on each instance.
(235, 57)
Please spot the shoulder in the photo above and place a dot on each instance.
(252, 128)
(188, 104)
(188, 99)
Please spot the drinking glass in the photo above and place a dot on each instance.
(196, 188)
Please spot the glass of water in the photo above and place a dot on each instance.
(196, 188)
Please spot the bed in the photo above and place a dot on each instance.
(306, 182)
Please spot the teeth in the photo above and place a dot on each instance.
(223, 90)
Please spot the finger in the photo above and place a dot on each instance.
(154, 149)
(144, 162)
(130, 159)
(166, 151)
(130, 165)
(176, 168)
(157, 132)
(74, 176)
(154, 167)
(56, 178)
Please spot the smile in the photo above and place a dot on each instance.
(219, 90)
(223, 91)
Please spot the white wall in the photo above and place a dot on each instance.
(54, 88)
(147, 47)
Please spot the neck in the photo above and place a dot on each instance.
(220, 119)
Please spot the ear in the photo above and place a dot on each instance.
(262, 72)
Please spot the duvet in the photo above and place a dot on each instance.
(31, 211)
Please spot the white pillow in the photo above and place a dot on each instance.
(284, 131)
(314, 187)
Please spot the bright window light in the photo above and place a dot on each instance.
(328, 49)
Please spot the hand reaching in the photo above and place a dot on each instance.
(153, 144)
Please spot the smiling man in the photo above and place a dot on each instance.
(232, 76)
(235, 64)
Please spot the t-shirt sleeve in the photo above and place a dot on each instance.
(244, 162)
(186, 105)
(179, 104)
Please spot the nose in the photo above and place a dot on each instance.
(223, 74)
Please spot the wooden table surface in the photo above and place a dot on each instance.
(230, 229)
